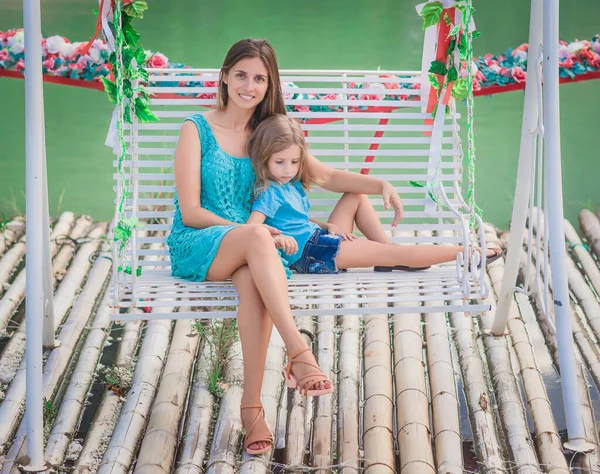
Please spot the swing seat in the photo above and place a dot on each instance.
(363, 121)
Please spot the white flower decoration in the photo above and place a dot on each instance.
(54, 43)
(67, 50)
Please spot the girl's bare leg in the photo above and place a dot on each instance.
(253, 246)
(356, 208)
(362, 253)
(255, 328)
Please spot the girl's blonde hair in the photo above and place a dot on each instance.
(254, 48)
(273, 135)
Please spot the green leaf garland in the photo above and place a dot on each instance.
(432, 14)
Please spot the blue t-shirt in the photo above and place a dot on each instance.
(286, 207)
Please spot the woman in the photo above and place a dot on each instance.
(210, 240)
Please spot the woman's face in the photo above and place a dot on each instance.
(247, 82)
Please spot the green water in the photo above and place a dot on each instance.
(331, 34)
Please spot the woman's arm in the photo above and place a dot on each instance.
(187, 180)
(322, 225)
(341, 181)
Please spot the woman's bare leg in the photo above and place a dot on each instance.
(253, 246)
(356, 208)
(255, 328)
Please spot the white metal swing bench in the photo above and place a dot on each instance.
(391, 139)
(362, 121)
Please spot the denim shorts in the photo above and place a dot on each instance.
(319, 254)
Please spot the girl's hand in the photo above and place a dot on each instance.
(286, 243)
(335, 230)
(390, 196)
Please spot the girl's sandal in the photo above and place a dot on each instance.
(308, 380)
(256, 434)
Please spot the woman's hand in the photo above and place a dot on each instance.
(286, 243)
(390, 196)
(335, 230)
(272, 230)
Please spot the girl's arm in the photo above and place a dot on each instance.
(256, 218)
(187, 180)
(341, 181)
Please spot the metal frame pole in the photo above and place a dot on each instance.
(48, 339)
(523, 187)
(34, 300)
(553, 182)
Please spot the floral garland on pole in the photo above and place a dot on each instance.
(445, 74)
(131, 98)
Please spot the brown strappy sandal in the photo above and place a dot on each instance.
(308, 380)
(263, 434)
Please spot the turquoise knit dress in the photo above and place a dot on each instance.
(226, 190)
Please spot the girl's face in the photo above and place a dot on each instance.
(284, 165)
(247, 82)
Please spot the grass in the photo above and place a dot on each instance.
(219, 334)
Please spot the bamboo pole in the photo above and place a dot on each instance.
(378, 423)
(349, 384)
(16, 292)
(322, 449)
(58, 359)
(412, 403)
(297, 415)
(585, 338)
(590, 225)
(107, 414)
(444, 399)
(12, 364)
(11, 233)
(66, 252)
(121, 449)
(79, 384)
(547, 440)
(196, 431)
(479, 401)
(101, 429)
(159, 443)
(9, 263)
(272, 389)
(579, 252)
(550, 337)
(228, 427)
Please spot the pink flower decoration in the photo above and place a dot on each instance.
(518, 74)
(505, 72)
(476, 85)
(567, 63)
(3, 54)
(48, 63)
(303, 108)
(84, 60)
(20, 66)
(523, 47)
(158, 61)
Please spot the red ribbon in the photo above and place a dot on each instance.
(87, 47)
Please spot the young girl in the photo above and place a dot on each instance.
(278, 152)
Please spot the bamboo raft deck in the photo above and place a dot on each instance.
(415, 393)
